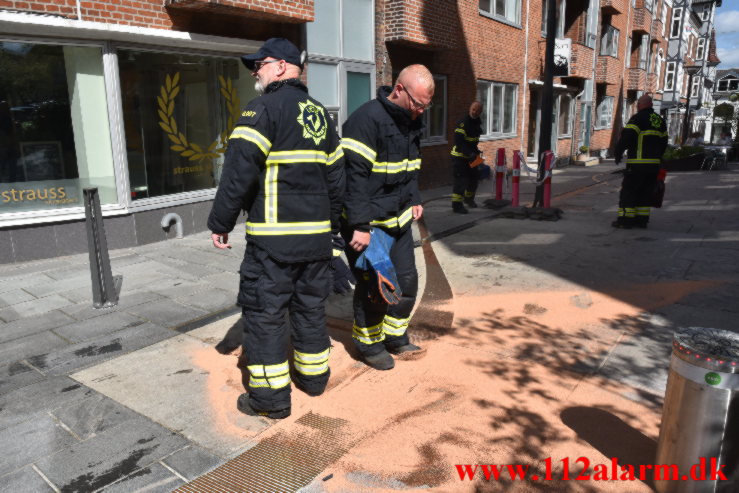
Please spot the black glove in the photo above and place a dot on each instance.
(342, 274)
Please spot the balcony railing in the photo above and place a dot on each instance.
(581, 64)
(426, 24)
(608, 70)
(636, 79)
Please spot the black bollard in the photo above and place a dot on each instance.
(105, 288)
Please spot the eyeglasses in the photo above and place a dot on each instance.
(416, 104)
(261, 63)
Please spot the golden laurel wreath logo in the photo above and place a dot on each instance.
(191, 150)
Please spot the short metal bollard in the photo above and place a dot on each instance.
(105, 287)
(699, 436)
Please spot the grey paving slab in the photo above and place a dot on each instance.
(174, 286)
(22, 270)
(85, 310)
(210, 300)
(93, 414)
(192, 462)
(10, 282)
(22, 404)
(29, 441)
(6, 248)
(98, 326)
(188, 387)
(24, 480)
(33, 308)
(93, 351)
(27, 326)
(167, 312)
(32, 345)
(151, 479)
(78, 295)
(110, 456)
(58, 286)
(16, 375)
(14, 297)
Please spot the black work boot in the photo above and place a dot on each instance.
(459, 208)
(618, 223)
(406, 348)
(380, 361)
(470, 202)
(243, 405)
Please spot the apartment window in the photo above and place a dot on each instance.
(435, 117)
(340, 43)
(706, 12)
(694, 89)
(609, 41)
(700, 49)
(643, 51)
(499, 103)
(677, 15)
(728, 84)
(664, 17)
(605, 112)
(506, 10)
(628, 53)
(566, 113)
(54, 134)
(670, 76)
(658, 65)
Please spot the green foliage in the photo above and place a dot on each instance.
(681, 152)
(584, 149)
(725, 111)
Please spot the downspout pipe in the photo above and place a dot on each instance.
(168, 218)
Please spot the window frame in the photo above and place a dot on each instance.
(700, 49)
(492, 14)
(599, 112)
(570, 117)
(427, 139)
(609, 36)
(695, 88)
(677, 16)
(505, 86)
(670, 70)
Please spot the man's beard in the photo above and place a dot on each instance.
(259, 87)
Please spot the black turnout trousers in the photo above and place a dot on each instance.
(269, 291)
(637, 193)
(465, 179)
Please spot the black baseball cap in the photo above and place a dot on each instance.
(279, 48)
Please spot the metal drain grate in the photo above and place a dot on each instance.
(284, 462)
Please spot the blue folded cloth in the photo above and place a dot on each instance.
(376, 260)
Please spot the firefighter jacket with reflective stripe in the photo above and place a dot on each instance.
(466, 137)
(284, 165)
(644, 138)
(381, 145)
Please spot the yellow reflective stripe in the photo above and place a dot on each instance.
(456, 153)
(655, 132)
(456, 197)
(360, 148)
(309, 358)
(315, 369)
(368, 335)
(272, 376)
(621, 212)
(270, 193)
(288, 228)
(395, 326)
(269, 370)
(395, 222)
(337, 252)
(630, 212)
(258, 382)
(335, 156)
(460, 131)
(302, 156)
(633, 127)
(471, 139)
(414, 165)
(643, 211)
(248, 133)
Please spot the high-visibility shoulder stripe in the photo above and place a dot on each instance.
(654, 132)
(335, 156)
(287, 228)
(360, 148)
(303, 156)
(253, 136)
(633, 127)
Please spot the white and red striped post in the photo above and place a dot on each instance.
(515, 183)
(548, 164)
(500, 169)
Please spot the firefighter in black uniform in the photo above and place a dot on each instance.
(466, 137)
(381, 142)
(645, 139)
(284, 166)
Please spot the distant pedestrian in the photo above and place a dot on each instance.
(466, 137)
(381, 142)
(644, 138)
(725, 139)
(284, 166)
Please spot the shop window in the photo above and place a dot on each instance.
(178, 112)
(435, 117)
(498, 108)
(54, 133)
(506, 10)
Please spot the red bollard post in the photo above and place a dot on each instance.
(500, 169)
(515, 183)
(548, 163)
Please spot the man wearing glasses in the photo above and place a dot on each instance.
(284, 166)
(381, 142)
